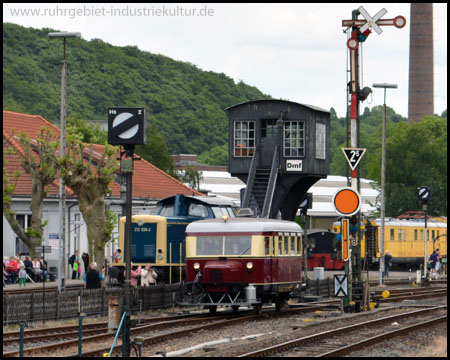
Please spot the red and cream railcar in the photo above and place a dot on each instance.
(242, 261)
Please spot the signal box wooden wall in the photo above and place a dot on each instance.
(279, 149)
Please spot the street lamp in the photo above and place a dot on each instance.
(62, 147)
(383, 170)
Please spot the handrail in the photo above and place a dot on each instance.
(251, 178)
(117, 333)
(271, 185)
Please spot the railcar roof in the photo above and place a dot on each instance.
(412, 223)
(210, 200)
(243, 225)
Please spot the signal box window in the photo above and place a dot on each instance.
(209, 245)
(244, 138)
(238, 245)
(294, 138)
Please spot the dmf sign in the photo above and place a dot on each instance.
(293, 165)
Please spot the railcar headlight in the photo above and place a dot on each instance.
(196, 266)
(249, 265)
(140, 222)
(160, 257)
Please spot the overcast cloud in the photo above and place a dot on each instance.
(295, 52)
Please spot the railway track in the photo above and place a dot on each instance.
(189, 325)
(96, 333)
(337, 342)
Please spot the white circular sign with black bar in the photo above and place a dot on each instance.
(127, 126)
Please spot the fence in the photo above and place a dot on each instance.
(323, 288)
(57, 306)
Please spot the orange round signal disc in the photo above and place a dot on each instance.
(346, 201)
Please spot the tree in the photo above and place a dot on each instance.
(90, 184)
(42, 171)
(416, 155)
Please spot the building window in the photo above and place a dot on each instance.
(294, 138)
(269, 128)
(24, 221)
(244, 138)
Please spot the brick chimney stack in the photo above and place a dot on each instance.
(421, 93)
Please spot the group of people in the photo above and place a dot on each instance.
(147, 275)
(22, 267)
(75, 264)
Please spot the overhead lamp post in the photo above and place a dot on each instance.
(62, 148)
(383, 170)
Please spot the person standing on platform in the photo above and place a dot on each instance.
(93, 278)
(85, 258)
(72, 260)
(22, 276)
(387, 263)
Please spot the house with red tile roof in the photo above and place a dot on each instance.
(150, 185)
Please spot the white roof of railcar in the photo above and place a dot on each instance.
(253, 225)
(412, 223)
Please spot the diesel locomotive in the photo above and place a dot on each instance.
(160, 239)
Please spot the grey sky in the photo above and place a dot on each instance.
(295, 52)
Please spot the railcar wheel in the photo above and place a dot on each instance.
(212, 309)
(257, 309)
(280, 304)
(235, 309)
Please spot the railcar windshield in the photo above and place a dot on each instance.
(209, 245)
(220, 211)
(238, 245)
(234, 245)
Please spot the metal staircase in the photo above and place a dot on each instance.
(261, 186)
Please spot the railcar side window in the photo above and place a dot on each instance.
(220, 211)
(292, 245)
(238, 245)
(266, 245)
(286, 245)
(299, 245)
(209, 245)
